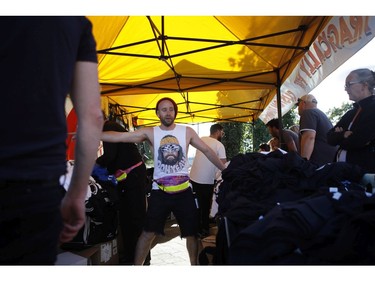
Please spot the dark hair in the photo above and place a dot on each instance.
(274, 123)
(215, 127)
(264, 146)
(112, 125)
(169, 99)
(366, 75)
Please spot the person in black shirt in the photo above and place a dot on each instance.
(43, 59)
(131, 190)
(314, 125)
(355, 131)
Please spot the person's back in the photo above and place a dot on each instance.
(35, 74)
(131, 190)
(203, 174)
(43, 59)
(202, 169)
(314, 125)
(289, 137)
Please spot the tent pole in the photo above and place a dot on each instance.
(278, 95)
(162, 38)
(252, 133)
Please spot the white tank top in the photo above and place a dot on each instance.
(170, 155)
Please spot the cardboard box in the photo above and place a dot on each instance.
(68, 258)
(81, 257)
(107, 254)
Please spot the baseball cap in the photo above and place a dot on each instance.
(307, 98)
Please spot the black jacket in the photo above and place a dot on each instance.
(360, 146)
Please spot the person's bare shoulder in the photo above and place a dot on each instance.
(190, 133)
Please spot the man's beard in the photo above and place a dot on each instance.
(167, 123)
(171, 160)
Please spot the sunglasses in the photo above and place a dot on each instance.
(298, 102)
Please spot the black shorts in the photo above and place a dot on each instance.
(182, 205)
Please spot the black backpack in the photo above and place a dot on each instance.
(101, 217)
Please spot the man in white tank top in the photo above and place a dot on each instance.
(171, 190)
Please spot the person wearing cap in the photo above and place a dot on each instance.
(171, 188)
(355, 131)
(314, 125)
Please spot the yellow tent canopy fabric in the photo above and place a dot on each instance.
(216, 68)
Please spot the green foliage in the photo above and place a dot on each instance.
(233, 139)
(246, 137)
(335, 114)
(290, 118)
(260, 134)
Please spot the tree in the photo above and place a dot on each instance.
(334, 114)
(246, 137)
(233, 140)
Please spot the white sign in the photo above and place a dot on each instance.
(341, 38)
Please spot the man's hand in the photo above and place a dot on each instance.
(73, 216)
(346, 133)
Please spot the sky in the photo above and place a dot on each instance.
(330, 93)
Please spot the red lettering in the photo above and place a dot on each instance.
(300, 81)
(318, 52)
(325, 45)
(303, 68)
(356, 23)
(311, 67)
(293, 97)
(345, 33)
(288, 97)
(333, 37)
(316, 62)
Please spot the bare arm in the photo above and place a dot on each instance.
(134, 137)
(291, 145)
(86, 100)
(307, 143)
(206, 150)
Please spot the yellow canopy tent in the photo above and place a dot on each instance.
(216, 68)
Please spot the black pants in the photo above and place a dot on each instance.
(132, 212)
(30, 222)
(204, 193)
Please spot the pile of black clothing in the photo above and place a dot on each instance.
(281, 209)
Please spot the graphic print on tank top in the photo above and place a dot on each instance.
(171, 158)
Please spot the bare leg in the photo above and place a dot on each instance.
(143, 247)
(192, 247)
